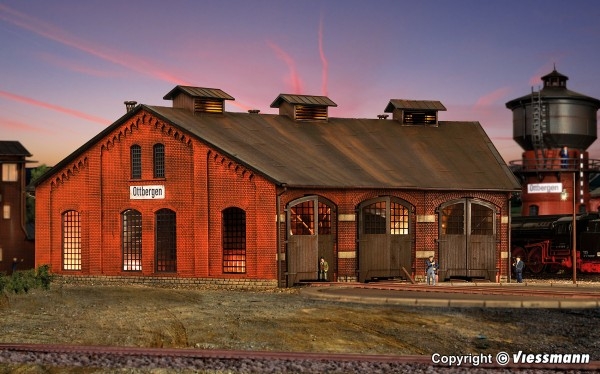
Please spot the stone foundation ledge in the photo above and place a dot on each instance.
(175, 282)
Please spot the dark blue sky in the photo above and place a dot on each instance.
(67, 66)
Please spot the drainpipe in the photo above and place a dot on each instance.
(278, 236)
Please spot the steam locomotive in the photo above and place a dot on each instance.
(545, 243)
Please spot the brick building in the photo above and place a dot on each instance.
(193, 191)
(16, 247)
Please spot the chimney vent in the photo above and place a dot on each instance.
(382, 116)
(129, 105)
(253, 111)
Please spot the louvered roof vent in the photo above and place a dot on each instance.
(198, 99)
(415, 112)
(303, 107)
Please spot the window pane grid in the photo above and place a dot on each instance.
(453, 220)
(324, 219)
(71, 241)
(132, 240)
(159, 161)
(482, 220)
(136, 162)
(398, 219)
(166, 247)
(302, 218)
(374, 220)
(234, 240)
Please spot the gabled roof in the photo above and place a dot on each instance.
(308, 100)
(347, 153)
(414, 105)
(13, 148)
(206, 93)
(344, 153)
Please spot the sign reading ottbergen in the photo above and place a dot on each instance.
(545, 188)
(146, 192)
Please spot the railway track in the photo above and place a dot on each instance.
(555, 290)
(110, 358)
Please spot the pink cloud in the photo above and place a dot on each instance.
(70, 65)
(13, 125)
(324, 62)
(51, 32)
(492, 98)
(294, 78)
(56, 108)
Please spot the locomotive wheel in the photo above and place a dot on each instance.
(534, 261)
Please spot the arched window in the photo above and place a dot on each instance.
(159, 160)
(482, 220)
(136, 161)
(234, 240)
(302, 219)
(131, 240)
(71, 240)
(453, 219)
(165, 241)
(375, 221)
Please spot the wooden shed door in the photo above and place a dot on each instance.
(467, 242)
(311, 235)
(384, 239)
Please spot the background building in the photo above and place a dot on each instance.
(555, 126)
(16, 247)
(193, 191)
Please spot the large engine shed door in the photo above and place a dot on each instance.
(385, 240)
(467, 240)
(311, 235)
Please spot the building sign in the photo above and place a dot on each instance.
(545, 188)
(146, 192)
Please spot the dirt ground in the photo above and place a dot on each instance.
(284, 320)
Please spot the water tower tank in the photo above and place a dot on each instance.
(554, 116)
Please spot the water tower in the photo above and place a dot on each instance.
(554, 126)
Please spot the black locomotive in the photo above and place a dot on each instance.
(545, 243)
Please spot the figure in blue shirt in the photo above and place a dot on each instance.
(432, 266)
(519, 265)
(564, 157)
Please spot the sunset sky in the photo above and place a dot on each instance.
(67, 66)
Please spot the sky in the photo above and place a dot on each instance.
(67, 66)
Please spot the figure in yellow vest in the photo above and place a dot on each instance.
(323, 269)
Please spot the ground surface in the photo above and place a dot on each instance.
(284, 320)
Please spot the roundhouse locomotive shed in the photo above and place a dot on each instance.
(195, 192)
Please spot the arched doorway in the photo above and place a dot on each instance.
(311, 235)
(467, 239)
(385, 238)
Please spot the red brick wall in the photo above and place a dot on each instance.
(200, 183)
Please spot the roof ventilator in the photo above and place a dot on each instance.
(303, 107)
(198, 100)
(415, 112)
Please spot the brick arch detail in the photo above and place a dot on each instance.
(224, 162)
(69, 172)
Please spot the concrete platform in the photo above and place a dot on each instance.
(461, 294)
